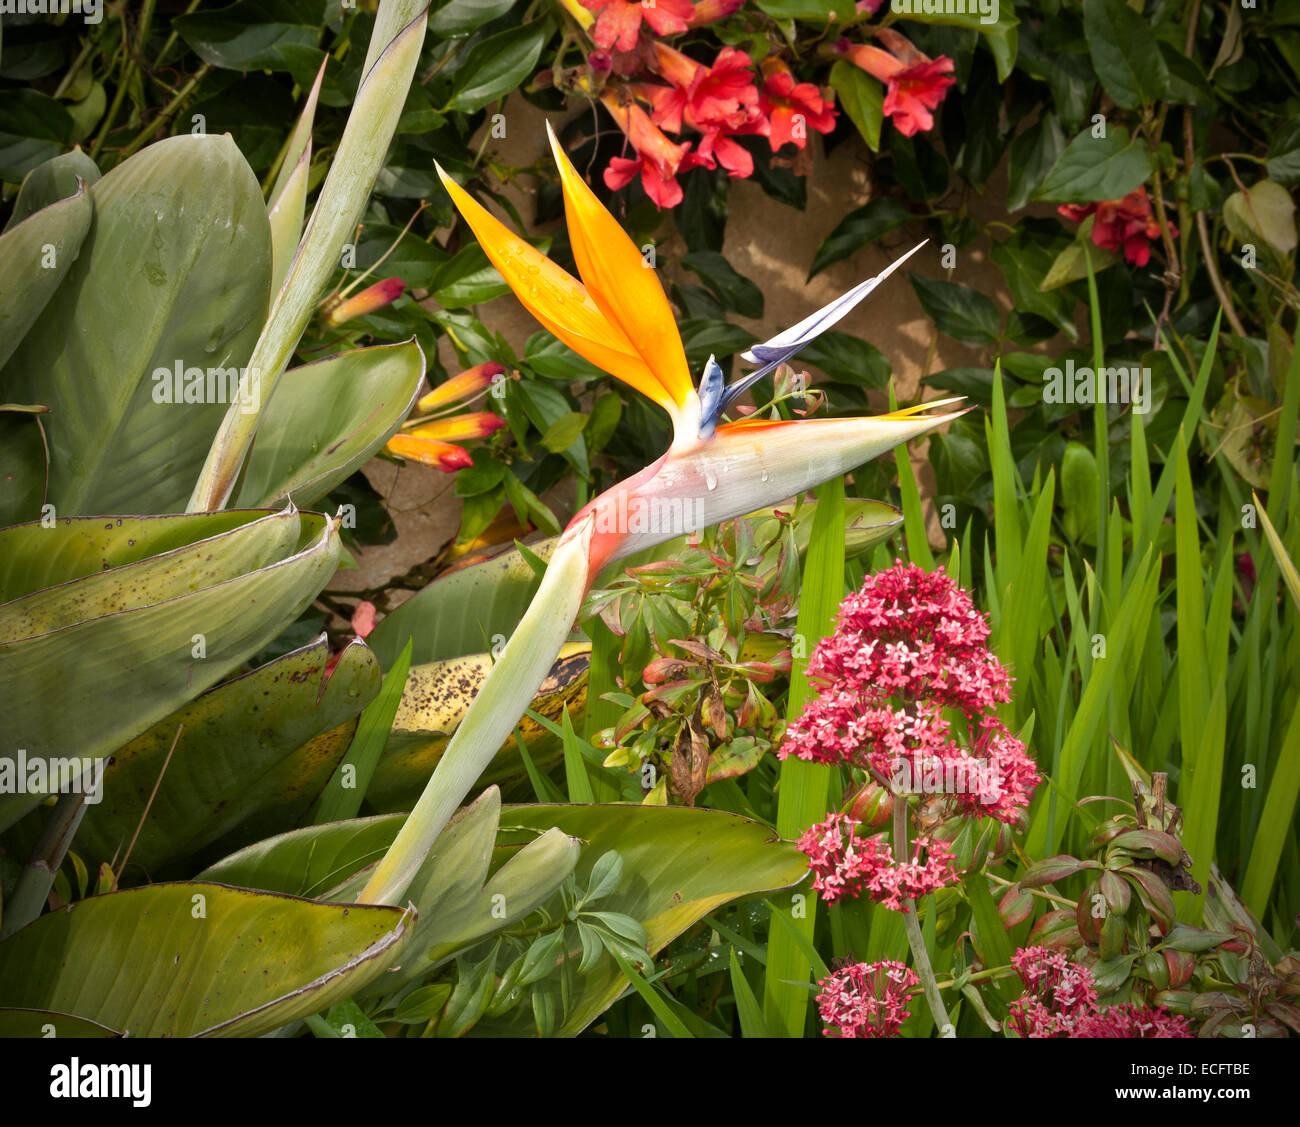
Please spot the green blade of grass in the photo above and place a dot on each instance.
(602, 678)
(543, 789)
(1048, 825)
(804, 794)
(575, 770)
(337, 801)
(1006, 522)
(918, 544)
(747, 1007)
(1276, 822)
(1100, 426)
(658, 1006)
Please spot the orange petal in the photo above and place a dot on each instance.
(429, 452)
(557, 299)
(620, 283)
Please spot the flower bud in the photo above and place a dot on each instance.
(873, 806)
(369, 300)
(1181, 964)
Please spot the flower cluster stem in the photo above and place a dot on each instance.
(912, 925)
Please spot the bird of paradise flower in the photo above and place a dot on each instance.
(618, 318)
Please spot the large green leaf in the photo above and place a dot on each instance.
(48, 1023)
(679, 864)
(1098, 168)
(35, 257)
(461, 613)
(51, 182)
(175, 273)
(133, 653)
(254, 753)
(497, 65)
(327, 418)
(310, 861)
(1125, 53)
(37, 555)
(457, 901)
(180, 960)
(253, 34)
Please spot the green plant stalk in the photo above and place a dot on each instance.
(358, 159)
(517, 675)
(805, 787)
(168, 111)
(915, 940)
(38, 874)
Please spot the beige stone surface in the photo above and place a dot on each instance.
(773, 245)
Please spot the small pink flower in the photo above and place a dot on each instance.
(363, 618)
(866, 999)
(619, 22)
(1132, 1021)
(658, 160)
(1060, 1000)
(915, 84)
(792, 107)
(845, 865)
(1127, 224)
(908, 646)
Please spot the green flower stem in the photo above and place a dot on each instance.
(920, 956)
(38, 875)
(979, 976)
(511, 684)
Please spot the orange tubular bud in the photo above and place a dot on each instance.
(461, 428)
(368, 300)
(469, 383)
(429, 452)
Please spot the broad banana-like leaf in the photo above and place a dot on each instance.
(39, 555)
(106, 668)
(329, 417)
(50, 182)
(436, 698)
(311, 861)
(174, 275)
(679, 864)
(457, 901)
(192, 959)
(35, 257)
(288, 200)
(254, 753)
(48, 1023)
(464, 611)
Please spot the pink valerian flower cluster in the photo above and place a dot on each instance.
(1127, 224)
(909, 645)
(845, 865)
(1060, 1000)
(866, 999)
(671, 92)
